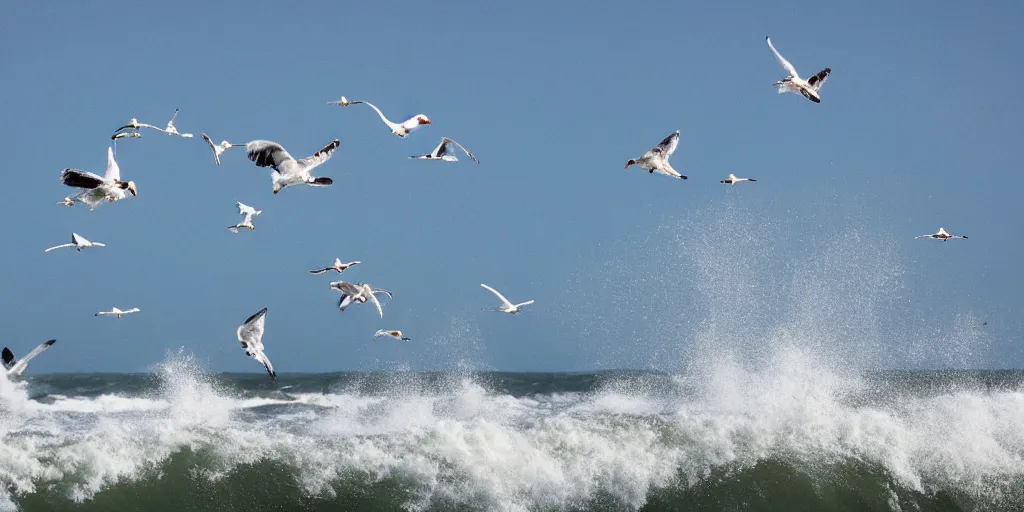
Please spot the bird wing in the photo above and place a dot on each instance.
(464, 150)
(320, 156)
(104, 313)
(389, 294)
(782, 60)
(78, 178)
(250, 333)
(344, 301)
(262, 358)
(170, 124)
(113, 172)
(320, 270)
(130, 311)
(376, 302)
(212, 147)
(527, 303)
(380, 332)
(20, 366)
(387, 121)
(818, 80)
(667, 146)
(244, 209)
(265, 153)
(59, 247)
(495, 292)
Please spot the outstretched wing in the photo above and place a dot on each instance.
(213, 147)
(667, 146)
(20, 366)
(320, 156)
(818, 80)
(495, 292)
(250, 333)
(265, 153)
(78, 178)
(170, 124)
(782, 60)
(373, 297)
(59, 247)
(262, 358)
(464, 150)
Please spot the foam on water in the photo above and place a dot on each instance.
(768, 366)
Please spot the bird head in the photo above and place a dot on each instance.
(629, 163)
(131, 188)
(252, 228)
(423, 119)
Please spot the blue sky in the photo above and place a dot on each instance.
(919, 127)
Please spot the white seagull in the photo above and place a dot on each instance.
(443, 152)
(338, 267)
(218, 148)
(941, 235)
(732, 179)
(250, 335)
(95, 188)
(67, 201)
(248, 212)
(394, 334)
(117, 312)
(287, 170)
(657, 158)
(355, 292)
(506, 306)
(793, 83)
(401, 129)
(169, 129)
(78, 242)
(14, 367)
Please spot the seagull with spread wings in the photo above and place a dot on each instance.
(506, 305)
(78, 242)
(15, 367)
(287, 170)
(793, 83)
(443, 152)
(250, 335)
(400, 129)
(94, 188)
(656, 159)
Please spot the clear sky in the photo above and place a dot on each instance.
(919, 127)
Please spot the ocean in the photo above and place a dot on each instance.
(793, 438)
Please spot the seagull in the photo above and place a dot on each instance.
(732, 179)
(78, 242)
(506, 306)
(95, 188)
(941, 235)
(169, 129)
(442, 152)
(250, 334)
(67, 201)
(117, 312)
(248, 212)
(394, 334)
(218, 148)
(793, 83)
(18, 367)
(356, 292)
(657, 158)
(287, 170)
(338, 267)
(401, 129)
(122, 135)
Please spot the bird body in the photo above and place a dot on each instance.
(94, 188)
(942, 234)
(402, 129)
(392, 334)
(656, 159)
(793, 83)
(117, 313)
(250, 335)
(732, 179)
(78, 242)
(443, 152)
(247, 212)
(506, 305)
(338, 267)
(287, 170)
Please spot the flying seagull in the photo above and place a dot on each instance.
(247, 212)
(117, 312)
(443, 152)
(356, 292)
(94, 188)
(401, 129)
(941, 235)
(14, 367)
(657, 158)
(287, 170)
(218, 148)
(338, 267)
(122, 135)
(170, 129)
(506, 306)
(732, 179)
(250, 335)
(394, 334)
(78, 242)
(793, 83)
(67, 201)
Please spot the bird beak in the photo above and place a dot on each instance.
(424, 120)
(629, 163)
(132, 189)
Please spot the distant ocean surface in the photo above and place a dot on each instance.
(180, 440)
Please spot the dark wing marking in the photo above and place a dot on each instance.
(80, 179)
(8, 358)
(320, 156)
(265, 153)
(668, 144)
(255, 316)
(818, 80)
